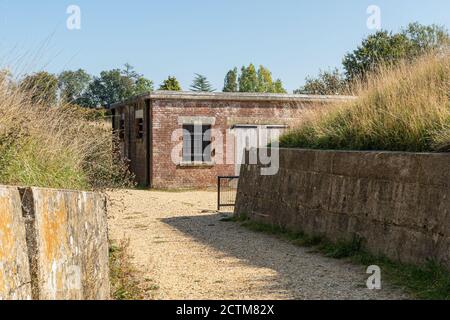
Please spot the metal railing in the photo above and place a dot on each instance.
(226, 191)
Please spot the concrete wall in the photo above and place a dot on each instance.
(399, 203)
(54, 244)
(15, 280)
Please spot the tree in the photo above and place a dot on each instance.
(170, 84)
(265, 82)
(201, 84)
(231, 84)
(73, 85)
(380, 48)
(425, 38)
(330, 82)
(42, 87)
(248, 81)
(278, 87)
(251, 80)
(142, 85)
(389, 48)
(114, 86)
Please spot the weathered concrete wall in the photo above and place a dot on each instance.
(15, 280)
(399, 203)
(64, 241)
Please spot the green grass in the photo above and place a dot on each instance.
(56, 146)
(406, 108)
(124, 278)
(30, 165)
(428, 282)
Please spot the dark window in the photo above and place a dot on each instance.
(139, 128)
(197, 143)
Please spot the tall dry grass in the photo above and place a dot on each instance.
(401, 108)
(54, 146)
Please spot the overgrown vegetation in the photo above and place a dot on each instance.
(123, 275)
(251, 80)
(378, 49)
(431, 281)
(401, 108)
(46, 145)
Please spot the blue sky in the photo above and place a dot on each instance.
(293, 38)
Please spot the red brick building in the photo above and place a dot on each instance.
(187, 139)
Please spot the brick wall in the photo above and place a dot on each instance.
(166, 113)
(162, 113)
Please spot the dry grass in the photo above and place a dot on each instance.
(54, 146)
(402, 108)
(123, 276)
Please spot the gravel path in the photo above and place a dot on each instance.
(180, 244)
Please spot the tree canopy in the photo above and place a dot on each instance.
(248, 80)
(380, 48)
(114, 86)
(252, 80)
(42, 86)
(330, 82)
(230, 83)
(170, 84)
(201, 84)
(73, 85)
(385, 47)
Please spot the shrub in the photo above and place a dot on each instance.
(54, 146)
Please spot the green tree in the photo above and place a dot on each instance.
(231, 84)
(265, 82)
(380, 48)
(110, 87)
(248, 80)
(73, 85)
(170, 84)
(201, 84)
(330, 82)
(389, 48)
(424, 38)
(42, 87)
(278, 87)
(114, 86)
(142, 85)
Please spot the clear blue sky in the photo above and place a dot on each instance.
(293, 38)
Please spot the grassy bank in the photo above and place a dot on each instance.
(405, 108)
(431, 281)
(54, 146)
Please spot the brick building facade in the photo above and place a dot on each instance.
(187, 139)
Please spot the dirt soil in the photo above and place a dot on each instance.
(184, 251)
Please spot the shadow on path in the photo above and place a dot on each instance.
(299, 273)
